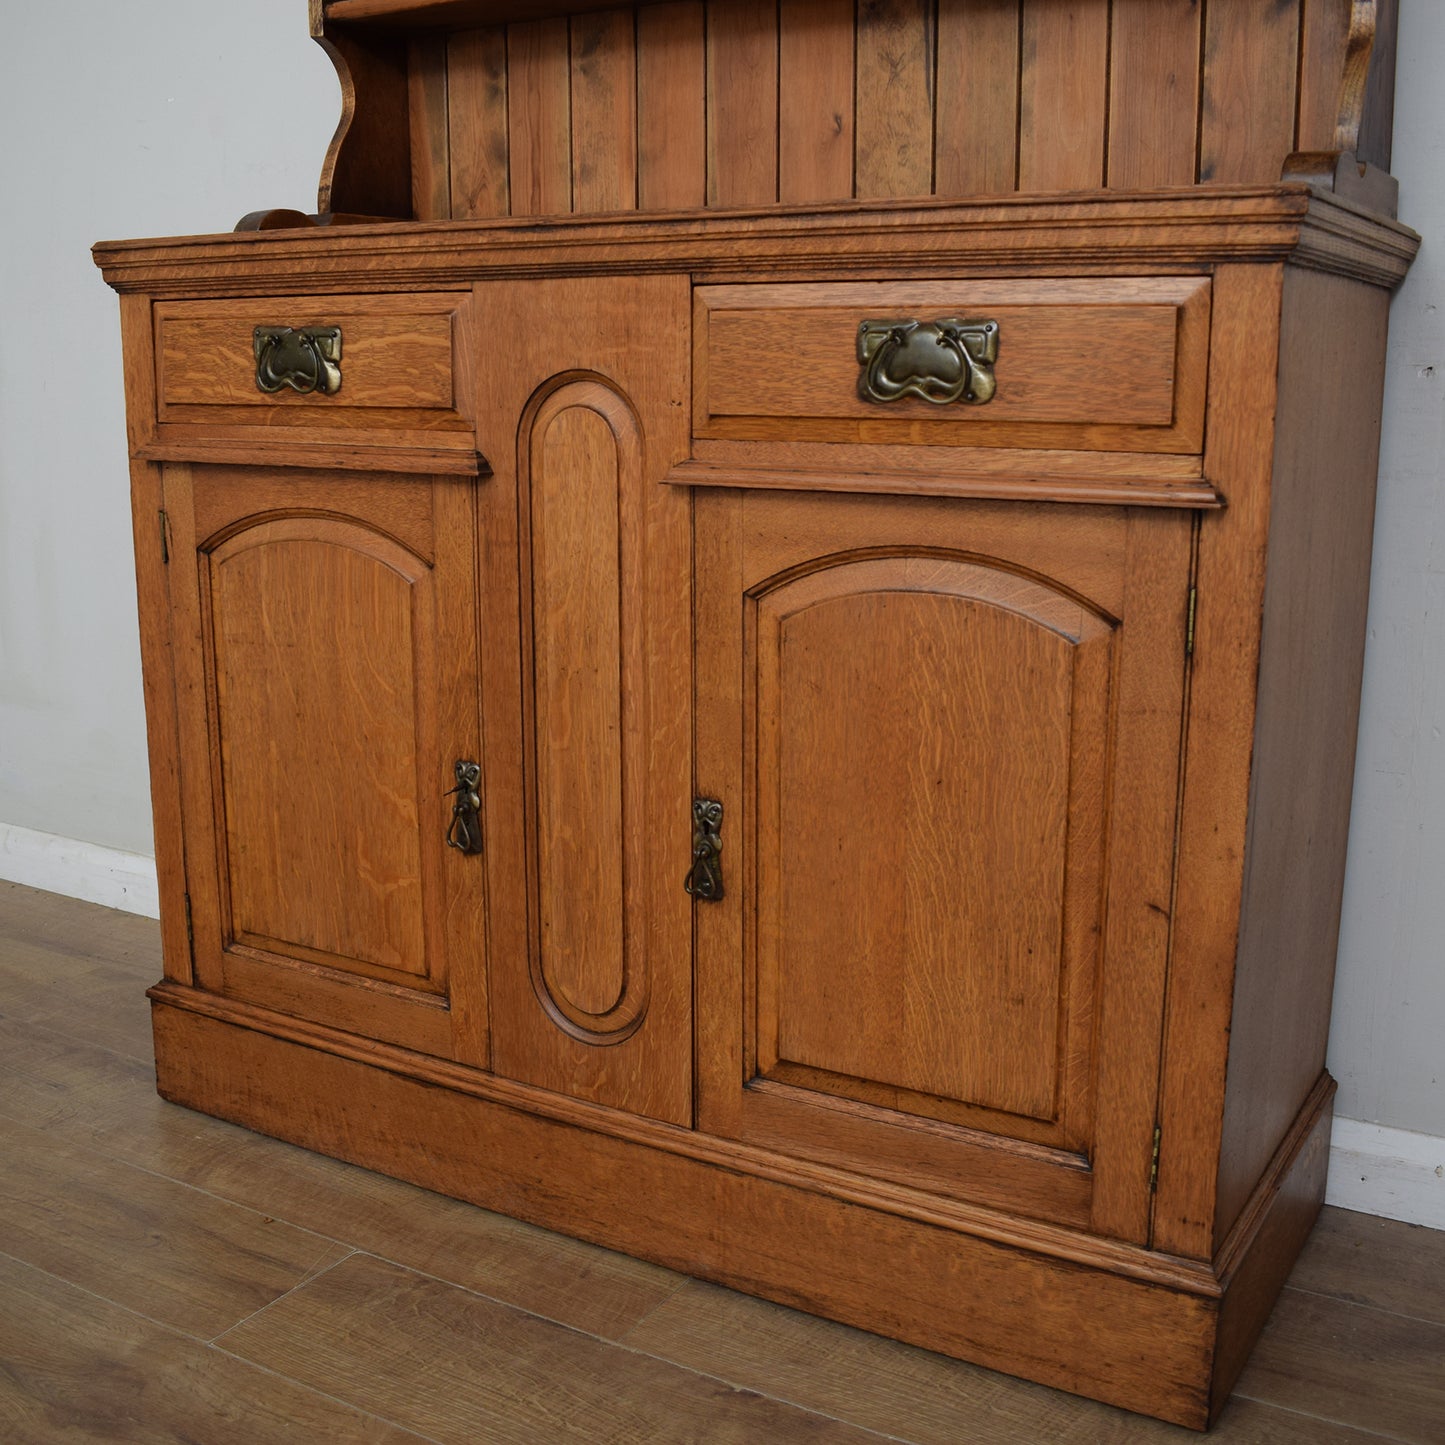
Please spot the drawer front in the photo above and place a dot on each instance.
(1109, 365)
(392, 364)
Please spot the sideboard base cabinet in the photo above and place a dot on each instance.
(810, 743)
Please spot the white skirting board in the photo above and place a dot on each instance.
(79, 870)
(1373, 1169)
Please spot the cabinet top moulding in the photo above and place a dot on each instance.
(1106, 232)
(442, 14)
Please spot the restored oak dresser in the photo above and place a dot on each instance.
(752, 642)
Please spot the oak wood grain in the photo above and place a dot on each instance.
(1153, 92)
(539, 118)
(816, 48)
(671, 113)
(479, 140)
(977, 122)
(1251, 65)
(429, 104)
(894, 98)
(742, 102)
(604, 111)
(1063, 94)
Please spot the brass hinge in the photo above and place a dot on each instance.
(1189, 625)
(190, 927)
(165, 539)
(1154, 1163)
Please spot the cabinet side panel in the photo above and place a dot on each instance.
(1220, 727)
(1311, 657)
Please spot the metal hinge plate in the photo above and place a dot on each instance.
(1189, 625)
(1154, 1163)
(165, 539)
(190, 927)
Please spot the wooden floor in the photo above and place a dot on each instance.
(167, 1277)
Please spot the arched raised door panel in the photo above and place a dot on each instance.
(336, 682)
(948, 763)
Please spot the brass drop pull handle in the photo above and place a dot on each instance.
(704, 878)
(305, 358)
(465, 832)
(940, 361)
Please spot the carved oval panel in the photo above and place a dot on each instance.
(583, 454)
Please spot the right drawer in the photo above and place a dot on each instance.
(1112, 364)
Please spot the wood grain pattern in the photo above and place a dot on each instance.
(1251, 61)
(78, 1368)
(671, 114)
(1063, 94)
(1311, 661)
(894, 98)
(479, 144)
(633, 653)
(604, 112)
(816, 44)
(539, 118)
(742, 102)
(1154, 92)
(1324, 48)
(430, 107)
(345, 1329)
(168, 1252)
(583, 453)
(1219, 741)
(977, 123)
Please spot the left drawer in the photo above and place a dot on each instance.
(324, 361)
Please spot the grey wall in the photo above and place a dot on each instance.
(172, 117)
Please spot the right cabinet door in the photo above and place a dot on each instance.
(946, 740)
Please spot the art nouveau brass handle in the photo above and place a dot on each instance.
(704, 879)
(940, 361)
(305, 358)
(465, 833)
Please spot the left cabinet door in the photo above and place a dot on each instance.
(324, 627)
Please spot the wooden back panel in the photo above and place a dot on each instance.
(750, 102)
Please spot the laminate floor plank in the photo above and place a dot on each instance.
(1369, 1368)
(1379, 1262)
(460, 1368)
(918, 1396)
(75, 1370)
(105, 1183)
(103, 1101)
(173, 1254)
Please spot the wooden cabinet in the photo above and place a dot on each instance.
(898, 658)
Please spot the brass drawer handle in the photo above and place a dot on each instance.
(305, 358)
(939, 361)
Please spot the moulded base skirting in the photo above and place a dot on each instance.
(79, 870)
(1373, 1169)
(1393, 1172)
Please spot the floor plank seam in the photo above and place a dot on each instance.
(307, 1279)
(1323, 1294)
(1367, 1431)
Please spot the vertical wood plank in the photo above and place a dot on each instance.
(976, 145)
(1377, 125)
(477, 99)
(1251, 58)
(671, 111)
(1063, 91)
(604, 111)
(815, 100)
(1324, 43)
(431, 190)
(742, 102)
(895, 98)
(539, 117)
(1153, 93)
